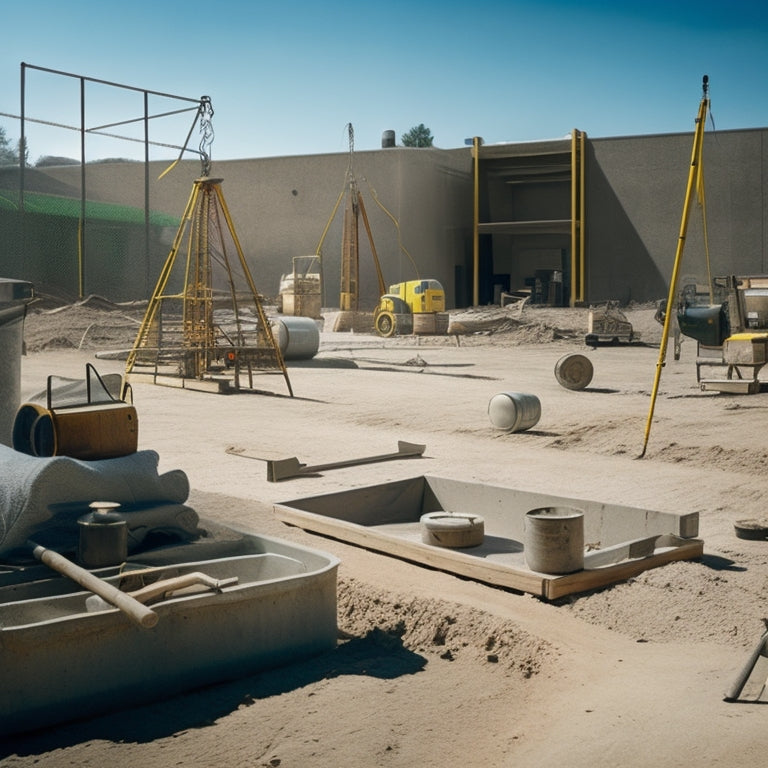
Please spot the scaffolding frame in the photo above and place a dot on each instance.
(103, 130)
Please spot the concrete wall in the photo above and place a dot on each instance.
(635, 191)
(635, 187)
(280, 208)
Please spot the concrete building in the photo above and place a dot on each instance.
(481, 219)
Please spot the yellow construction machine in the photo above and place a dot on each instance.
(731, 334)
(416, 306)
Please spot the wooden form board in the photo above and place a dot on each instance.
(620, 541)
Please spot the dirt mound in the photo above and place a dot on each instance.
(98, 324)
(90, 325)
(438, 628)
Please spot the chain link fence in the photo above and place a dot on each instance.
(71, 249)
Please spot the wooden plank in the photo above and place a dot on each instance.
(455, 561)
(646, 553)
(734, 386)
(585, 580)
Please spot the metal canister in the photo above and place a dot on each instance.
(574, 371)
(103, 536)
(554, 540)
(297, 337)
(514, 411)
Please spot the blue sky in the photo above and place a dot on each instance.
(286, 78)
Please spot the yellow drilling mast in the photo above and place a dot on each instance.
(205, 326)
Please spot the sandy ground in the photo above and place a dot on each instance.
(433, 670)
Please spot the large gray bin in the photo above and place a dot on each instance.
(14, 297)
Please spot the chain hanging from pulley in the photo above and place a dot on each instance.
(205, 115)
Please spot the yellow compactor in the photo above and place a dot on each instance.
(416, 306)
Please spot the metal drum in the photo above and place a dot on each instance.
(574, 371)
(297, 337)
(103, 536)
(514, 411)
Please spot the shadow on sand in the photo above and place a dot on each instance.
(378, 654)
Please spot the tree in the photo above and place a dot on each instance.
(46, 161)
(116, 160)
(418, 136)
(8, 155)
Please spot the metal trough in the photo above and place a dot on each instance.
(61, 661)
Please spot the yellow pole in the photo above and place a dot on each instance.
(698, 141)
(577, 217)
(80, 266)
(475, 225)
(162, 281)
(265, 324)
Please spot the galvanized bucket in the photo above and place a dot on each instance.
(554, 540)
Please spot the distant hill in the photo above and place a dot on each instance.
(36, 181)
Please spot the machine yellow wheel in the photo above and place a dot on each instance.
(385, 324)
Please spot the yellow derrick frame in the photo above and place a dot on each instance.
(196, 349)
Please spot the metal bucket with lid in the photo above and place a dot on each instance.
(103, 536)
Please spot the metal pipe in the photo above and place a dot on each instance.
(22, 144)
(476, 224)
(147, 277)
(582, 217)
(22, 170)
(81, 223)
(107, 82)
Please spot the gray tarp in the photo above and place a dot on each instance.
(42, 498)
